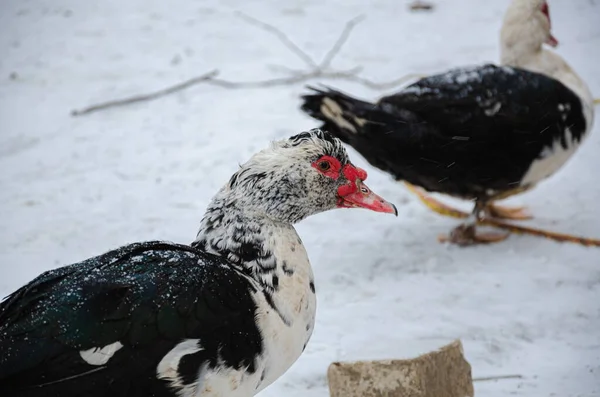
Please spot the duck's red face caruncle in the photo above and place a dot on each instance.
(352, 193)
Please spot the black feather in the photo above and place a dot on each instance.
(149, 297)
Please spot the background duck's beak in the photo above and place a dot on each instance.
(551, 41)
(363, 197)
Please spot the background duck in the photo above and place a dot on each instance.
(481, 133)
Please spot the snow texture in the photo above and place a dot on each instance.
(72, 188)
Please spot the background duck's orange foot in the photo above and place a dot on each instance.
(465, 235)
(494, 220)
(511, 213)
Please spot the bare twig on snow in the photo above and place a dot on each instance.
(386, 84)
(296, 78)
(280, 35)
(340, 41)
(488, 378)
(321, 70)
(419, 5)
(315, 70)
(147, 97)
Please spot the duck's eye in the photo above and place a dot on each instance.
(328, 166)
(324, 165)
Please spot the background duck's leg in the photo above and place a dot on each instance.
(435, 205)
(467, 233)
(597, 101)
(491, 210)
(463, 231)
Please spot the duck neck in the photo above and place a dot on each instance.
(261, 247)
(520, 56)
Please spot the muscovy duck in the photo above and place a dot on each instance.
(224, 316)
(481, 133)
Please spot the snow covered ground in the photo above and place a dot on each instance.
(71, 188)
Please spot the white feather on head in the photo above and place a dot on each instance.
(280, 181)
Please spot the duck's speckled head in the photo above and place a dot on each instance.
(301, 176)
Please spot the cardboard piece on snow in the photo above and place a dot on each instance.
(441, 373)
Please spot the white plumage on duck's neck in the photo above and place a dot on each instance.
(524, 31)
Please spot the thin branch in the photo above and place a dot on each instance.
(281, 36)
(488, 378)
(383, 85)
(347, 75)
(317, 72)
(296, 78)
(560, 237)
(147, 97)
(284, 69)
(298, 51)
(340, 41)
(209, 78)
(352, 71)
(257, 84)
(419, 5)
(321, 71)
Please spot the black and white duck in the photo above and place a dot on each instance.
(224, 316)
(481, 133)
